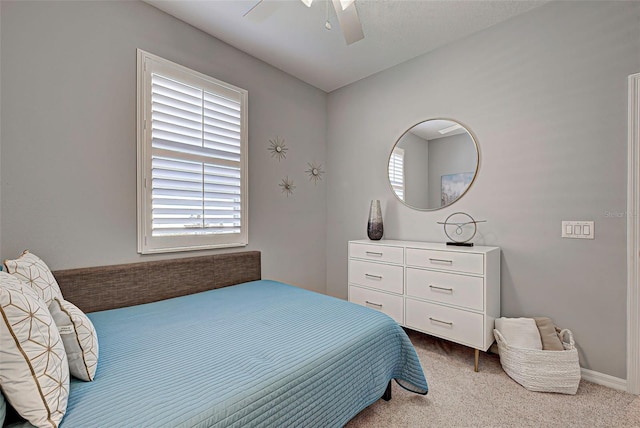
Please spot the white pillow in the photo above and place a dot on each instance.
(520, 332)
(79, 338)
(35, 373)
(29, 269)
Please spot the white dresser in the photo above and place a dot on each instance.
(446, 291)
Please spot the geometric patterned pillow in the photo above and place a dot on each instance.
(79, 338)
(3, 409)
(34, 373)
(29, 269)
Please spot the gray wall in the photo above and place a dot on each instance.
(449, 155)
(546, 96)
(68, 82)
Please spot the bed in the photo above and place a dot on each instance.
(231, 350)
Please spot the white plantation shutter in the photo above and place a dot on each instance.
(193, 159)
(396, 172)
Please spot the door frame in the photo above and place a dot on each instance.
(633, 237)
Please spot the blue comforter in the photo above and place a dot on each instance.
(256, 354)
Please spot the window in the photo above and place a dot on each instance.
(192, 159)
(396, 172)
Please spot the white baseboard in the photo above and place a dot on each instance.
(604, 379)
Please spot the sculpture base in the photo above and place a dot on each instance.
(461, 244)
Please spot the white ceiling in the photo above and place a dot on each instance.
(293, 38)
(430, 129)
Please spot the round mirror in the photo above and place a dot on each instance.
(433, 164)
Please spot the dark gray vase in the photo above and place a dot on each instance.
(374, 226)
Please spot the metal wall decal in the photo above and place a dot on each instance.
(287, 186)
(278, 149)
(315, 172)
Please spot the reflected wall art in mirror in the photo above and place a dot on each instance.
(433, 164)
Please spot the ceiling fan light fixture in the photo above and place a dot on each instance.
(307, 2)
(345, 3)
(450, 129)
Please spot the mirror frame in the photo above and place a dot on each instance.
(475, 175)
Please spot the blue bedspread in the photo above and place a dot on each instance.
(256, 354)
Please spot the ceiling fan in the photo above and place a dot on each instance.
(346, 13)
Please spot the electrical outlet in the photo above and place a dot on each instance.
(578, 229)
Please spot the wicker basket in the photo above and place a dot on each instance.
(538, 370)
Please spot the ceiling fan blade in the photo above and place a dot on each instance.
(346, 3)
(252, 7)
(349, 22)
(260, 14)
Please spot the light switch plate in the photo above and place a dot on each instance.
(578, 229)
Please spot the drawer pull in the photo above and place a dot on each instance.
(374, 253)
(441, 322)
(449, 262)
(368, 275)
(373, 304)
(441, 288)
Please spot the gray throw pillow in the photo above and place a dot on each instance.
(548, 334)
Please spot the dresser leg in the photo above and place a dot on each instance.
(477, 357)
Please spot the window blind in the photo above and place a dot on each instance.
(195, 160)
(396, 172)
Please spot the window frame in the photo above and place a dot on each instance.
(399, 152)
(147, 64)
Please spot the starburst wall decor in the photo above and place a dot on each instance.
(287, 186)
(315, 172)
(278, 149)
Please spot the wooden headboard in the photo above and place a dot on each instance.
(108, 287)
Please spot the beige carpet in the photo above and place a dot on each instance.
(459, 397)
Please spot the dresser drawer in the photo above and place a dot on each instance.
(380, 253)
(377, 275)
(446, 260)
(450, 288)
(383, 302)
(449, 323)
